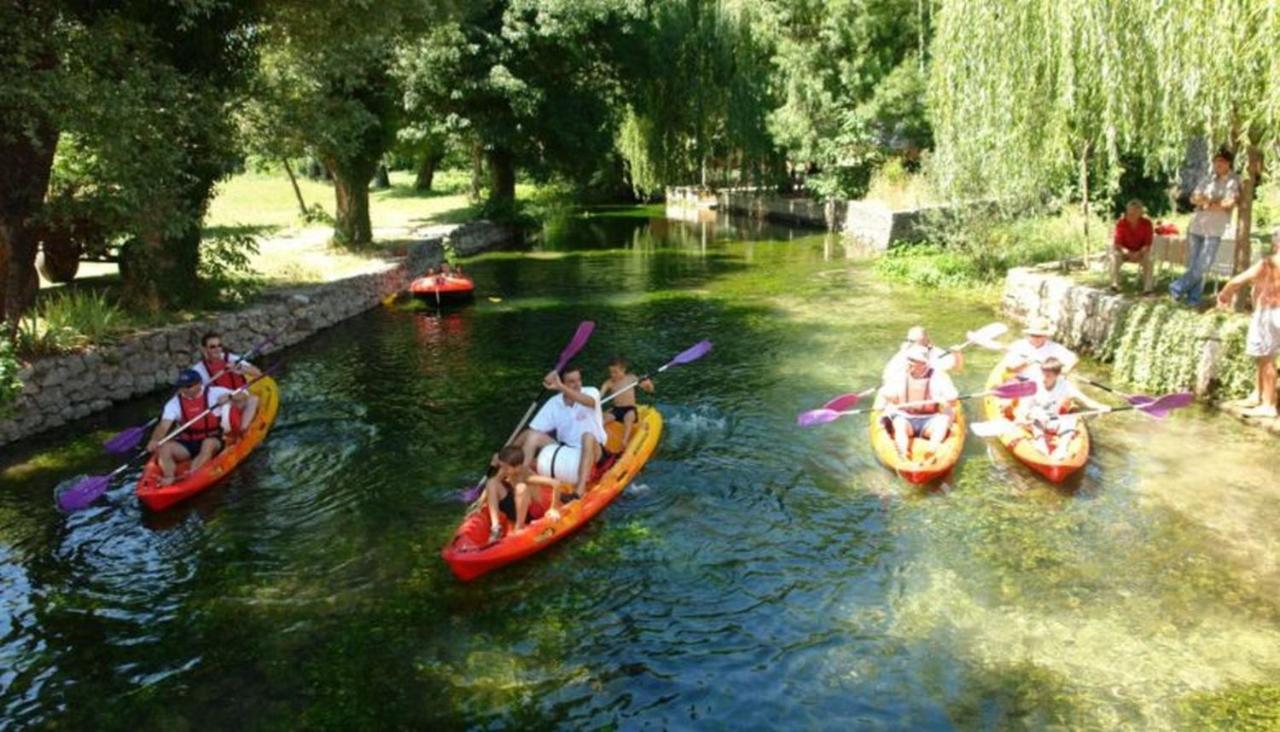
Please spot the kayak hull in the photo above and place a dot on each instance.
(1020, 441)
(443, 291)
(469, 553)
(915, 468)
(157, 498)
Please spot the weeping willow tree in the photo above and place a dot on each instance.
(1026, 93)
(699, 93)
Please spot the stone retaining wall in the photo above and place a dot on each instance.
(59, 389)
(872, 224)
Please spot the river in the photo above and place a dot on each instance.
(755, 575)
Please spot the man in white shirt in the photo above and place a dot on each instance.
(939, 358)
(202, 439)
(1046, 409)
(1024, 356)
(1214, 198)
(219, 367)
(574, 416)
(919, 402)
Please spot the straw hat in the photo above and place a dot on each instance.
(1038, 327)
(918, 354)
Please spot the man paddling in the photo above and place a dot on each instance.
(219, 368)
(575, 419)
(198, 442)
(1024, 356)
(919, 403)
(940, 358)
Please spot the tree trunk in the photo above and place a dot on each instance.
(502, 178)
(352, 227)
(477, 170)
(1244, 220)
(293, 180)
(1084, 199)
(427, 171)
(163, 267)
(381, 179)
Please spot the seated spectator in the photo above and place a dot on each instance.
(1132, 243)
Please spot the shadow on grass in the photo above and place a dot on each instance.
(408, 191)
(256, 230)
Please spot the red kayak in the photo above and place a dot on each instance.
(443, 290)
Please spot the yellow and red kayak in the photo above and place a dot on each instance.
(469, 553)
(157, 497)
(1020, 440)
(918, 468)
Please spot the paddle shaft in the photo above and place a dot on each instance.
(962, 397)
(631, 386)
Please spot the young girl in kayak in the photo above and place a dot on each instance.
(623, 383)
(1045, 410)
(508, 491)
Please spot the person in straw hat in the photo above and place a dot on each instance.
(1024, 356)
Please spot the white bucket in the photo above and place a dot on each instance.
(559, 462)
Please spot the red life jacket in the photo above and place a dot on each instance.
(931, 408)
(207, 426)
(228, 379)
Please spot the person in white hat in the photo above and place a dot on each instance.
(939, 358)
(919, 402)
(1024, 356)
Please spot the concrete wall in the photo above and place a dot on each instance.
(59, 389)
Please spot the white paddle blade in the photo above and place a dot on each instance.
(993, 428)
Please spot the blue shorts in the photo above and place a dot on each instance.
(917, 421)
(193, 446)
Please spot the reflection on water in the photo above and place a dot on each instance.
(753, 573)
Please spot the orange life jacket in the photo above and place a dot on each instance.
(205, 427)
(228, 379)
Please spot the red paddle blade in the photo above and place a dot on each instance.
(1015, 390)
(843, 402)
(817, 416)
(83, 493)
(579, 340)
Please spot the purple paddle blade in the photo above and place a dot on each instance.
(1170, 402)
(579, 340)
(83, 493)
(817, 416)
(126, 441)
(694, 353)
(471, 493)
(1140, 400)
(843, 402)
(1015, 390)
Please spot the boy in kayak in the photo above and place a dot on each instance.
(918, 403)
(508, 491)
(940, 358)
(218, 367)
(1046, 409)
(574, 417)
(1024, 356)
(623, 383)
(200, 441)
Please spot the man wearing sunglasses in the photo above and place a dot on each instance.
(218, 367)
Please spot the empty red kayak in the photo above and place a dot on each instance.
(443, 289)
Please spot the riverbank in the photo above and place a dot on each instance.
(61, 388)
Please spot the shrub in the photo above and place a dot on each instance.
(10, 385)
(68, 320)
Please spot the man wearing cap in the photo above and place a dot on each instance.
(1024, 356)
(919, 402)
(939, 358)
(200, 440)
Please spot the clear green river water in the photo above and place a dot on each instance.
(754, 576)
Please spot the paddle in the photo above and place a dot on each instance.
(689, 355)
(1157, 408)
(128, 440)
(984, 336)
(1135, 399)
(1011, 390)
(87, 490)
(579, 340)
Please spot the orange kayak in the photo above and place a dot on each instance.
(469, 553)
(443, 289)
(917, 468)
(1020, 440)
(157, 497)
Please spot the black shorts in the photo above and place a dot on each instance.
(193, 446)
(508, 505)
(620, 413)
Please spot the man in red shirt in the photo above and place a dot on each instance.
(1132, 243)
